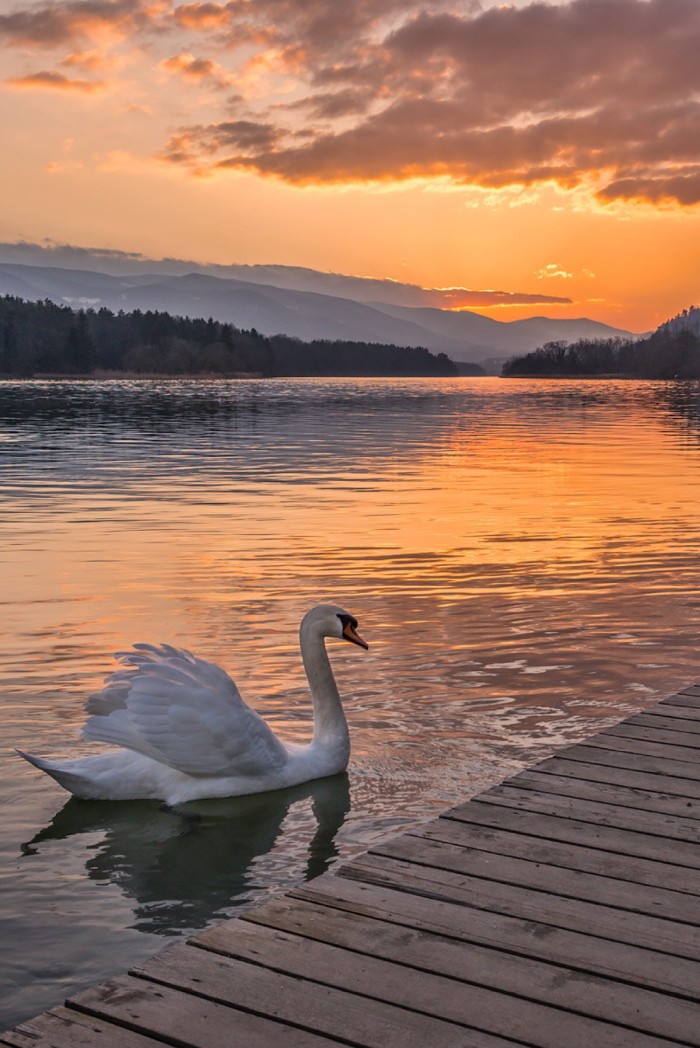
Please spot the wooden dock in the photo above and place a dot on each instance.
(560, 909)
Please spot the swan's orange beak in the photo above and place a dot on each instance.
(352, 635)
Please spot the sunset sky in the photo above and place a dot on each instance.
(547, 150)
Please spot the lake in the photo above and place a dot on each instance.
(522, 556)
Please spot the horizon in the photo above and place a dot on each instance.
(476, 151)
(70, 257)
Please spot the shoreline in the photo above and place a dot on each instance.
(617, 376)
(136, 376)
(120, 376)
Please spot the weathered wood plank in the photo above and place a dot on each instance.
(634, 778)
(184, 1019)
(65, 1028)
(663, 751)
(440, 978)
(501, 812)
(590, 753)
(689, 698)
(650, 719)
(690, 715)
(606, 793)
(690, 689)
(620, 828)
(569, 883)
(529, 937)
(336, 1013)
(524, 836)
(679, 940)
(651, 733)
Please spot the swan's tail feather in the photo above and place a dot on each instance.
(66, 777)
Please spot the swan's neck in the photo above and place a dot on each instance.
(330, 726)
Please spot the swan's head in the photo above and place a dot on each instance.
(330, 621)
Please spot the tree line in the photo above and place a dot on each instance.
(667, 353)
(43, 338)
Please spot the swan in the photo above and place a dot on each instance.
(184, 733)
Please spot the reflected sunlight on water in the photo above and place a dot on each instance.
(522, 557)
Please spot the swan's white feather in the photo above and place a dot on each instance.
(185, 733)
(184, 712)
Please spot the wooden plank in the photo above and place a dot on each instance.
(538, 820)
(652, 733)
(689, 699)
(606, 793)
(634, 778)
(185, 1019)
(656, 832)
(525, 936)
(688, 714)
(441, 978)
(531, 837)
(646, 749)
(660, 719)
(350, 1017)
(569, 883)
(589, 753)
(65, 1028)
(596, 919)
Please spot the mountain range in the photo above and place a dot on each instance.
(304, 303)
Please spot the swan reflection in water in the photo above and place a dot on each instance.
(185, 866)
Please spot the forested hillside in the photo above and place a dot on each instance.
(670, 352)
(39, 338)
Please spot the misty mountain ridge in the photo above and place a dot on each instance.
(360, 309)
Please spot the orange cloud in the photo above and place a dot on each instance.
(88, 61)
(601, 93)
(51, 81)
(197, 69)
(203, 16)
(54, 24)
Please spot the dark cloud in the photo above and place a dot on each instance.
(604, 93)
(457, 298)
(246, 137)
(332, 105)
(598, 91)
(682, 187)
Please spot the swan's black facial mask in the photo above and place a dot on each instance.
(350, 631)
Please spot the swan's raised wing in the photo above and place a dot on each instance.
(184, 712)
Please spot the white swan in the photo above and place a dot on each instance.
(185, 733)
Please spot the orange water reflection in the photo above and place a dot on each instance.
(508, 547)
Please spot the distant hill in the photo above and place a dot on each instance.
(670, 352)
(301, 303)
(686, 320)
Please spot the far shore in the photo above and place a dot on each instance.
(117, 376)
(208, 376)
(561, 375)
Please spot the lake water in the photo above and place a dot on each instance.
(523, 558)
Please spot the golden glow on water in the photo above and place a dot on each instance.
(409, 508)
(522, 557)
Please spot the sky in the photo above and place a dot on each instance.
(541, 158)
